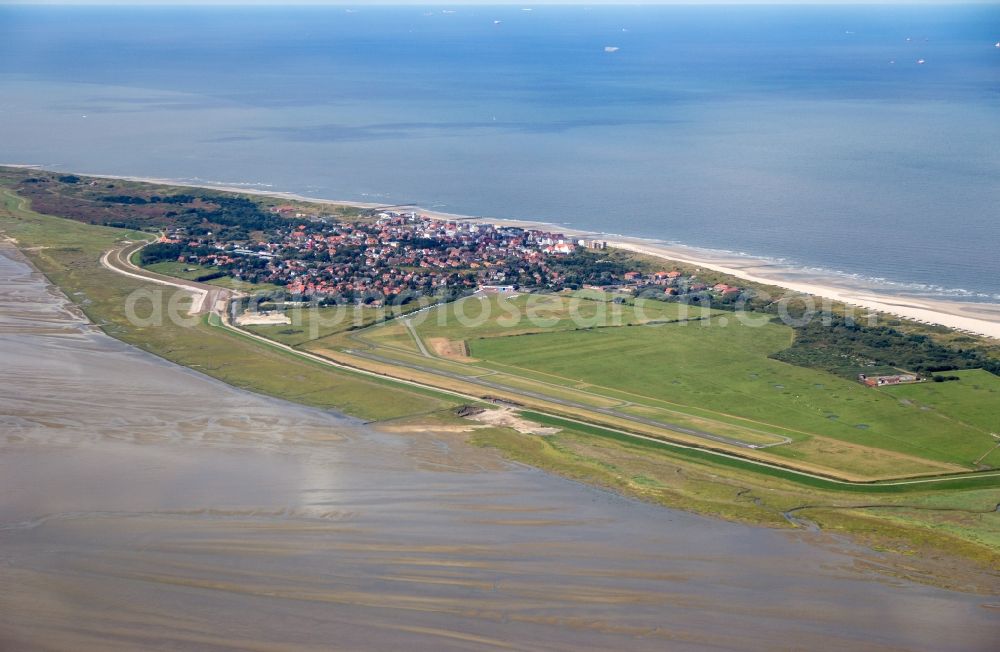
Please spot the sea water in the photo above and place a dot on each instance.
(858, 139)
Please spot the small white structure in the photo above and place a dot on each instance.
(268, 318)
(497, 289)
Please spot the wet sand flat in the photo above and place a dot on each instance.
(145, 506)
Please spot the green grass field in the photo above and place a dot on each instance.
(393, 335)
(726, 368)
(242, 286)
(191, 271)
(693, 368)
(493, 316)
(187, 271)
(601, 295)
(973, 401)
(314, 323)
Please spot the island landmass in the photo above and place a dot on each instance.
(667, 379)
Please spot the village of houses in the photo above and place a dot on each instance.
(406, 254)
(373, 262)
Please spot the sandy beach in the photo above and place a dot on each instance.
(971, 317)
(979, 318)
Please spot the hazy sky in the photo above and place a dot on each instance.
(431, 3)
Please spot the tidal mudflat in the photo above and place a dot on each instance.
(145, 506)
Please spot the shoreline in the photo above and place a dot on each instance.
(740, 506)
(978, 318)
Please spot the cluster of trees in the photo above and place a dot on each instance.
(700, 298)
(163, 251)
(136, 200)
(232, 217)
(239, 212)
(843, 346)
(590, 268)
